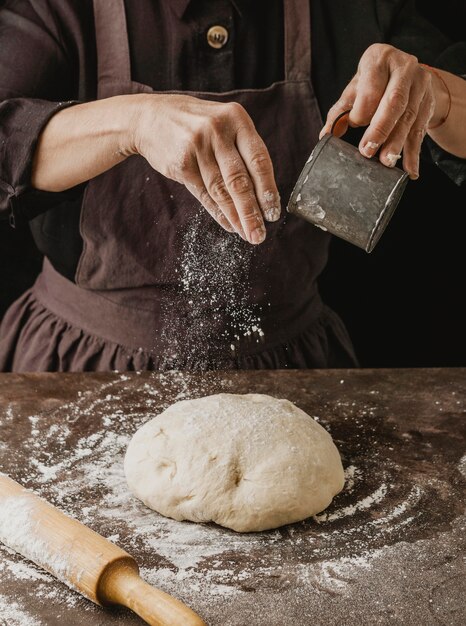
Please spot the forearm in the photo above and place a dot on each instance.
(84, 141)
(212, 148)
(451, 134)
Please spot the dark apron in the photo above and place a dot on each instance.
(159, 276)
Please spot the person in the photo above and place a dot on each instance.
(149, 144)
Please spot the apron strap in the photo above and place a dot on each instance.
(113, 55)
(297, 39)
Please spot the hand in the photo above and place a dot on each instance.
(397, 99)
(214, 150)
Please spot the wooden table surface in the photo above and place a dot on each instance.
(389, 550)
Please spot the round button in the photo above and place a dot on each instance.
(217, 36)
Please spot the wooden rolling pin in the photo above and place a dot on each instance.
(81, 558)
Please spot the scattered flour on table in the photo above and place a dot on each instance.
(367, 502)
(462, 465)
(12, 614)
(186, 559)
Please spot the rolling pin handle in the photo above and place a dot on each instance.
(121, 584)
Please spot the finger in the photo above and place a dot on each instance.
(217, 190)
(372, 83)
(187, 171)
(392, 148)
(192, 180)
(200, 192)
(412, 147)
(344, 103)
(256, 158)
(391, 107)
(237, 183)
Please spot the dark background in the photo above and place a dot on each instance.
(404, 303)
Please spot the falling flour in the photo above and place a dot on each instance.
(213, 313)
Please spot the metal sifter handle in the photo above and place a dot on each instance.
(337, 119)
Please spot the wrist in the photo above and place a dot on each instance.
(141, 121)
(133, 115)
(442, 98)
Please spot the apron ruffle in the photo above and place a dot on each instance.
(33, 338)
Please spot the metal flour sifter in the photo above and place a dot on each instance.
(341, 191)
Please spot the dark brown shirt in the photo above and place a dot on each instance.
(48, 61)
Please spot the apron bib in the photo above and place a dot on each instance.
(148, 244)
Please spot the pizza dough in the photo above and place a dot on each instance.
(248, 462)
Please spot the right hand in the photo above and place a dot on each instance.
(214, 150)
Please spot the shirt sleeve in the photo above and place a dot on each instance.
(36, 81)
(411, 33)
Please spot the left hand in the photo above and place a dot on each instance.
(397, 99)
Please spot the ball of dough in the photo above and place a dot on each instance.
(248, 462)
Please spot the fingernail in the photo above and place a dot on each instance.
(271, 206)
(414, 175)
(370, 148)
(391, 159)
(258, 235)
(272, 214)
